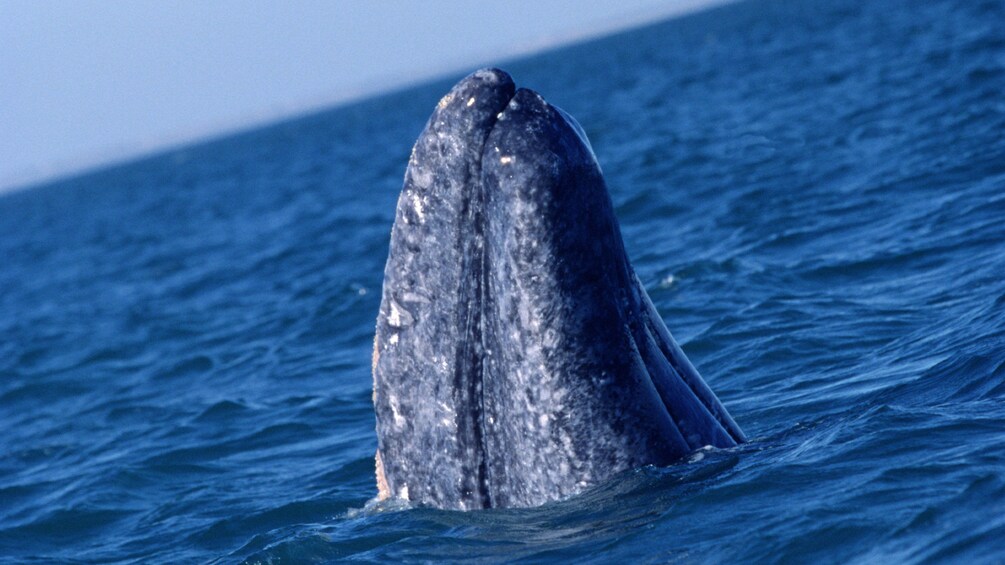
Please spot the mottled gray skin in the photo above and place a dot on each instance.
(518, 359)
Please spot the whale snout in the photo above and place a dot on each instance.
(517, 358)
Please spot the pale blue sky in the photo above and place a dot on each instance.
(84, 83)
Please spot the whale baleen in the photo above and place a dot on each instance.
(517, 357)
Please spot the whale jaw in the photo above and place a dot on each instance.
(517, 358)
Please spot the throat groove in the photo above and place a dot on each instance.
(471, 366)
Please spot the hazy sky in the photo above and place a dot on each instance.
(87, 82)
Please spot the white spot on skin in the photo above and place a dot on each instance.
(421, 177)
(445, 100)
(398, 317)
(417, 205)
(394, 339)
(403, 492)
(471, 101)
(399, 420)
(506, 160)
(414, 297)
(487, 76)
(448, 420)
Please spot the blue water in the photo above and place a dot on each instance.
(812, 192)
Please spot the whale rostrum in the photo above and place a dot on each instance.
(517, 357)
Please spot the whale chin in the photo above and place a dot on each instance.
(517, 357)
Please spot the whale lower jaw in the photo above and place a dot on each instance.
(517, 357)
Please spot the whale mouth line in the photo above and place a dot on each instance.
(470, 371)
(469, 375)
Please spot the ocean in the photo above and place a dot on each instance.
(813, 193)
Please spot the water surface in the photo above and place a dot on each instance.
(812, 192)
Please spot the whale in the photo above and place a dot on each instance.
(517, 358)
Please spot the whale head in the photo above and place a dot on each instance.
(517, 358)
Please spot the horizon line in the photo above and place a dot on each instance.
(113, 157)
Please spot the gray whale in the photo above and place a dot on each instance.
(517, 358)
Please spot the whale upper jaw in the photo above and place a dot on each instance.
(517, 358)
